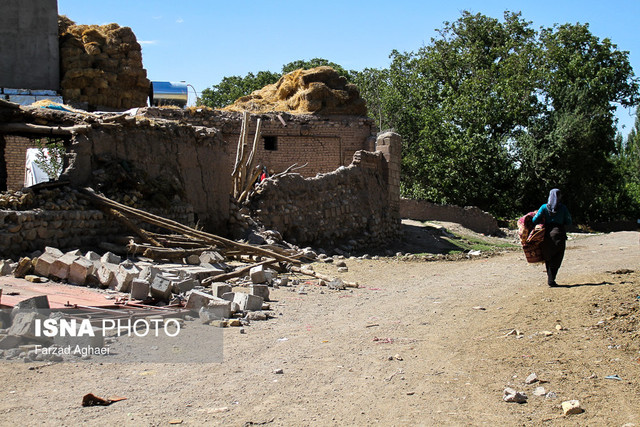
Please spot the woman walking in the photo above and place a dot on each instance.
(555, 217)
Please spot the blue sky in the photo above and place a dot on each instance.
(201, 41)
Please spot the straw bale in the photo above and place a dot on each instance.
(135, 55)
(124, 34)
(63, 24)
(93, 35)
(100, 83)
(90, 91)
(102, 65)
(92, 48)
(319, 90)
(71, 93)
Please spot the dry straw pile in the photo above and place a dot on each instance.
(319, 90)
(102, 65)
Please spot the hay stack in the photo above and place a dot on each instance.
(102, 65)
(319, 90)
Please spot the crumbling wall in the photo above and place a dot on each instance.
(470, 216)
(15, 154)
(195, 160)
(22, 232)
(324, 143)
(348, 206)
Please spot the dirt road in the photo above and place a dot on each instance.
(421, 343)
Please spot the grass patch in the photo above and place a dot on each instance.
(470, 243)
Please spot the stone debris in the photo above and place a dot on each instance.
(539, 391)
(511, 395)
(531, 379)
(571, 407)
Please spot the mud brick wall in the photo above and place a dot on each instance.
(470, 216)
(15, 156)
(197, 160)
(22, 232)
(325, 143)
(349, 205)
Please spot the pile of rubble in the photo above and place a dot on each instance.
(320, 90)
(52, 199)
(102, 66)
(199, 286)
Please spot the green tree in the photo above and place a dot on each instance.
(313, 63)
(231, 88)
(570, 145)
(459, 103)
(627, 160)
(50, 157)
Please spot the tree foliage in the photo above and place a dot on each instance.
(494, 113)
(50, 157)
(231, 88)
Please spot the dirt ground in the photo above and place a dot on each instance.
(419, 343)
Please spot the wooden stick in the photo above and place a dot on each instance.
(29, 128)
(236, 273)
(210, 239)
(321, 276)
(139, 231)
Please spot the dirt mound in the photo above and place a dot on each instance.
(102, 66)
(320, 90)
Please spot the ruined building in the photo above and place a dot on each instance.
(178, 162)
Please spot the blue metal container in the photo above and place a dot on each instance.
(168, 93)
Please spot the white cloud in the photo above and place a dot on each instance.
(147, 42)
(179, 20)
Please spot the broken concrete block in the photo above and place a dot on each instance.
(257, 274)
(220, 288)
(43, 264)
(40, 302)
(54, 252)
(110, 258)
(79, 270)
(570, 407)
(215, 310)
(184, 285)
(210, 257)
(248, 302)
(127, 271)
(10, 341)
(161, 288)
(148, 273)
(139, 289)
(229, 296)
(198, 299)
(24, 324)
(92, 256)
(60, 267)
(260, 290)
(107, 275)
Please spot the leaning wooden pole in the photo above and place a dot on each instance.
(168, 224)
